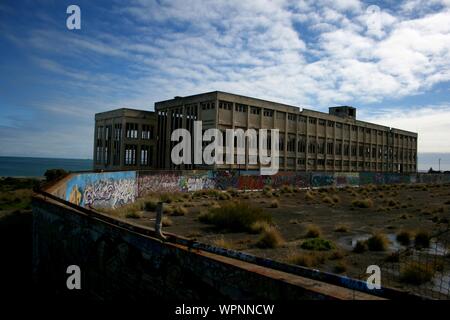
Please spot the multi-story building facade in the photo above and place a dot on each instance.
(125, 139)
(309, 140)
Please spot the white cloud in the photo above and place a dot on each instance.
(430, 122)
(302, 52)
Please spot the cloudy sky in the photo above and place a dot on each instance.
(390, 59)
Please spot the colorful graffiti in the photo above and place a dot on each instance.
(226, 179)
(343, 179)
(113, 189)
(196, 181)
(154, 181)
(322, 179)
(102, 190)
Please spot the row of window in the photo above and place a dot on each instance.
(145, 157)
(322, 122)
(354, 164)
(130, 156)
(131, 132)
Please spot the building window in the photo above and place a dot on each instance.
(311, 162)
(354, 128)
(338, 125)
(281, 143)
(346, 149)
(330, 124)
(292, 117)
(132, 130)
(301, 161)
(321, 122)
(147, 132)
(240, 107)
(330, 147)
(302, 119)
(98, 155)
(291, 144)
(225, 105)
(118, 131)
(312, 120)
(330, 162)
(339, 147)
(255, 110)
(268, 113)
(207, 105)
(320, 162)
(301, 144)
(321, 147)
(144, 155)
(130, 154)
(312, 147)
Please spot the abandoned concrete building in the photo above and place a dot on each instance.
(125, 139)
(309, 140)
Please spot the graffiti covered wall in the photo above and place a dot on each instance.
(113, 189)
(102, 190)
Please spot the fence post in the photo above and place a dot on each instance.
(158, 221)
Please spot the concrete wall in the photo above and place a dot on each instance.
(121, 261)
(113, 189)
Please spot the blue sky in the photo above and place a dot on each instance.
(391, 61)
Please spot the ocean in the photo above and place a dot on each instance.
(36, 167)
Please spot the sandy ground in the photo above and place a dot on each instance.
(411, 208)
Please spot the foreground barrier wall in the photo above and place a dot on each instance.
(113, 189)
(119, 261)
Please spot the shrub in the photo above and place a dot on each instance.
(360, 247)
(309, 195)
(309, 260)
(317, 244)
(267, 191)
(377, 242)
(340, 267)
(222, 243)
(336, 198)
(167, 198)
(391, 203)
(328, 200)
(54, 174)
(422, 239)
(235, 216)
(341, 228)
(232, 192)
(364, 203)
(133, 215)
(287, 189)
(179, 211)
(416, 273)
(274, 204)
(393, 257)
(167, 209)
(223, 196)
(259, 226)
(166, 222)
(404, 237)
(336, 255)
(150, 205)
(313, 231)
(270, 238)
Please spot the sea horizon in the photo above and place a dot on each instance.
(22, 166)
(13, 166)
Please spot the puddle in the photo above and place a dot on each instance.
(349, 242)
